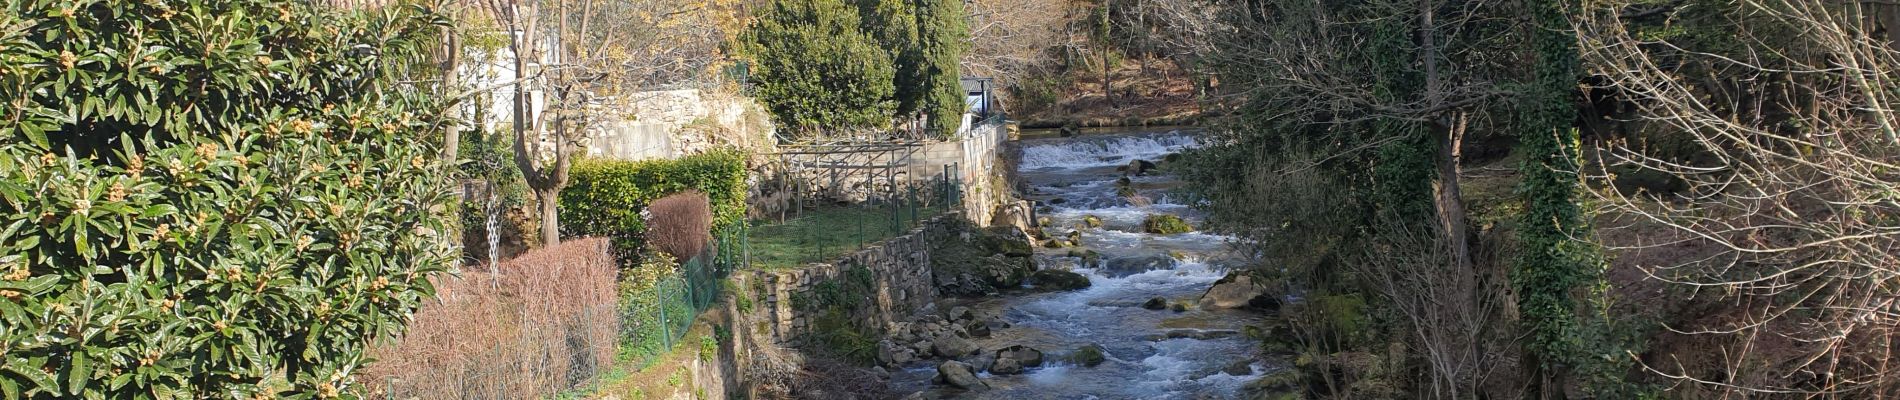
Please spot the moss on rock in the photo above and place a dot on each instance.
(1165, 224)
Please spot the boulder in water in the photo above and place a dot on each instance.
(1092, 221)
(1021, 355)
(1052, 279)
(1239, 368)
(1140, 167)
(1124, 266)
(1005, 366)
(1197, 334)
(1089, 355)
(1165, 224)
(1238, 290)
(958, 374)
(1156, 304)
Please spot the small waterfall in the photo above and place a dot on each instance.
(1100, 152)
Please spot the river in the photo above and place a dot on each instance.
(1142, 363)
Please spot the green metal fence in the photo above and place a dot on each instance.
(653, 320)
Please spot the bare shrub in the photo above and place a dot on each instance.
(680, 224)
(1451, 316)
(532, 327)
(1789, 112)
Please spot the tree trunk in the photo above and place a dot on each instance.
(550, 216)
(1449, 199)
(1108, 92)
(452, 134)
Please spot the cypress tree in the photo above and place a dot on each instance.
(943, 33)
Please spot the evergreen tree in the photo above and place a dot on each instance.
(943, 32)
(893, 24)
(816, 70)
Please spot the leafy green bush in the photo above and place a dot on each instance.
(606, 198)
(214, 199)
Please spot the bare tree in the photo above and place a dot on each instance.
(1011, 39)
(1791, 174)
(578, 62)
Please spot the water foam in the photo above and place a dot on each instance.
(1108, 152)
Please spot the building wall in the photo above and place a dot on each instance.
(674, 123)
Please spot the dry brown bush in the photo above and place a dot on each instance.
(680, 224)
(536, 325)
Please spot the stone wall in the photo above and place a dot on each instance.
(975, 156)
(901, 277)
(758, 313)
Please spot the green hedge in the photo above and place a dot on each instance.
(223, 199)
(605, 197)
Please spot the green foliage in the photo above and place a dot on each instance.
(1165, 224)
(211, 199)
(654, 308)
(708, 348)
(605, 197)
(1554, 260)
(835, 302)
(815, 70)
(893, 24)
(943, 33)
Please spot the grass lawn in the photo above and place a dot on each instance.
(826, 233)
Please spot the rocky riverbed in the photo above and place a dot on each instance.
(1117, 305)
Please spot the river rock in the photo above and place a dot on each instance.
(1022, 355)
(952, 346)
(1239, 368)
(1156, 304)
(959, 314)
(1238, 290)
(1089, 355)
(1200, 334)
(1140, 167)
(886, 352)
(1051, 279)
(1125, 266)
(1092, 221)
(982, 362)
(1005, 366)
(977, 329)
(975, 276)
(958, 374)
